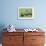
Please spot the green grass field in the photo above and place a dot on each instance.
(25, 12)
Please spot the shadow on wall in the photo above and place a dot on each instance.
(2, 26)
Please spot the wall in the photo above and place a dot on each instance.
(9, 13)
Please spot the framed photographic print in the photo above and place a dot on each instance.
(25, 13)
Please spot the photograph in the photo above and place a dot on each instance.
(25, 13)
(22, 22)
